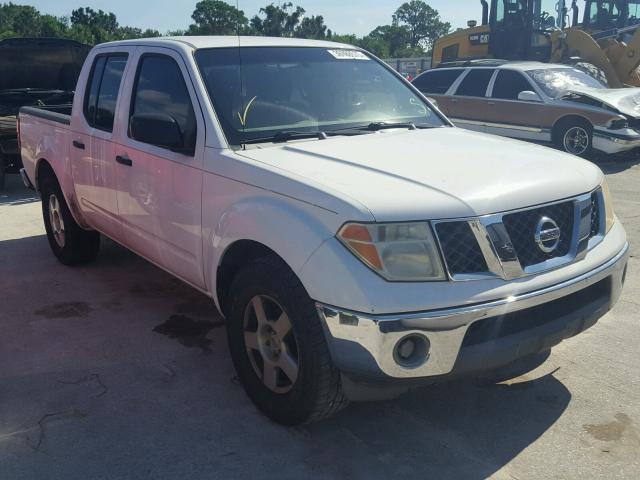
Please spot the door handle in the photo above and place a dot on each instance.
(491, 103)
(124, 160)
(454, 100)
(78, 144)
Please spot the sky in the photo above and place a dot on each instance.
(342, 16)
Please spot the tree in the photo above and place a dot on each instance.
(278, 21)
(94, 26)
(421, 22)
(312, 27)
(395, 37)
(215, 17)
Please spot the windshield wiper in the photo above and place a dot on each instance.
(286, 135)
(375, 126)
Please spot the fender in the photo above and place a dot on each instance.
(292, 230)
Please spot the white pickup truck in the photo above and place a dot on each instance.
(356, 242)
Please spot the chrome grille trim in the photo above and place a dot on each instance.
(495, 244)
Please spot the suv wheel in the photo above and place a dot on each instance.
(278, 347)
(70, 244)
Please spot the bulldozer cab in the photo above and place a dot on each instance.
(510, 29)
(602, 15)
(520, 28)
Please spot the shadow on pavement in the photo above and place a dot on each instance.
(15, 193)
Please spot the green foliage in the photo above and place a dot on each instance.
(215, 17)
(413, 29)
(421, 22)
(277, 20)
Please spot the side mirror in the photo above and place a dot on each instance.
(157, 129)
(529, 96)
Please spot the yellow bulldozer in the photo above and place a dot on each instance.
(602, 36)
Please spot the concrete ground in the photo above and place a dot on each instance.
(116, 370)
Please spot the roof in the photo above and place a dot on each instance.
(197, 42)
(515, 65)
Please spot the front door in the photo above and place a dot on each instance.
(507, 115)
(160, 190)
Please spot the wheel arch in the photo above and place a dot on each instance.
(44, 169)
(568, 120)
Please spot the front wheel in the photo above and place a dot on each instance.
(70, 244)
(575, 137)
(278, 346)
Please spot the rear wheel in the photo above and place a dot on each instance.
(574, 137)
(278, 347)
(70, 244)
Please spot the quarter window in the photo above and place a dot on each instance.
(475, 83)
(102, 95)
(509, 84)
(437, 81)
(160, 89)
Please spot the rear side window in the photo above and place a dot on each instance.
(509, 84)
(475, 83)
(437, 81)
(160, 89)
(102, 95)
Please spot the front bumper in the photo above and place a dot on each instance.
(473, 337)
(611, 142)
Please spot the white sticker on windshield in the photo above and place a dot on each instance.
(348, 55)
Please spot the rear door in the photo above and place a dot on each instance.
(93, 168)
(507, 115)
(160, 190)
(436, 83)
(468, 105)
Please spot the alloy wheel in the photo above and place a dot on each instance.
(56, 221)
(271, 344)
(576, 140)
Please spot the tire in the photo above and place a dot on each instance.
(574, 136)
(307, 387)
(70, 244)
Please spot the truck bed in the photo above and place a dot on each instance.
(55, 113)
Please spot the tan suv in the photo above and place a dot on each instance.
(537, 101)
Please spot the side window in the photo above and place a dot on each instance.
(475, 83)
(161, 90)
(450, 53)
(437, 81)
(509, 84)
(102, 92)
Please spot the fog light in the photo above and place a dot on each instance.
(411, 351)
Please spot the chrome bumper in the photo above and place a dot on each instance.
(364, 344)
(614, 143)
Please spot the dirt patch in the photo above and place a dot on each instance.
(188, 331)
(65, 310)
(610, 431)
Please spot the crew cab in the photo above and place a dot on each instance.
(356, 242)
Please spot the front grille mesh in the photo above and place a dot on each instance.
(595, 215)
(460, 248)
(521, 227)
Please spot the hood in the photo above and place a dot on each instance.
(41, 63)
(433, 174)
(625, 100)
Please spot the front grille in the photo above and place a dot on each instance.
(460, 248)
(521, 227)
(597, 296)
(595, 215)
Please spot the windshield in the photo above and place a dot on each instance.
(259, 92)
(603, 14)
(556, 81)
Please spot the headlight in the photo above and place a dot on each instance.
(397, 251)
(609, 214)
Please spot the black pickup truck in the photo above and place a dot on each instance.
(34, 72)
